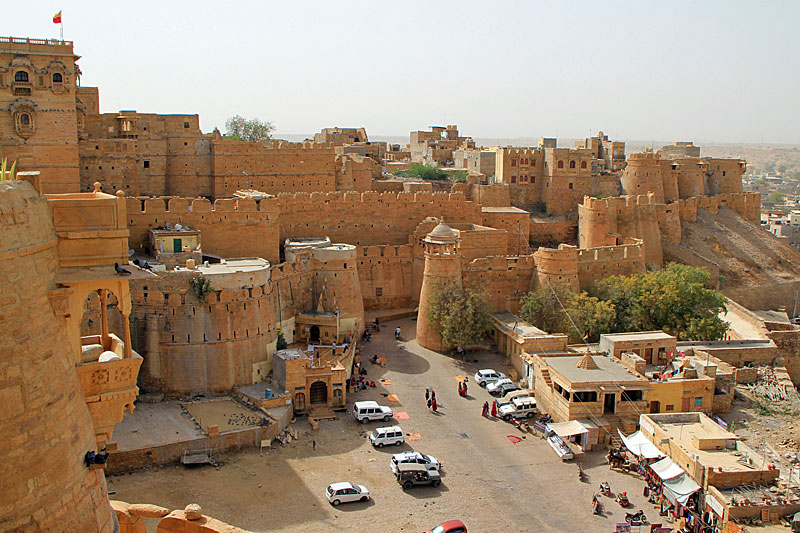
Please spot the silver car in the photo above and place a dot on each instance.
(345, 492)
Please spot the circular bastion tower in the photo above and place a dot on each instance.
(442, 264)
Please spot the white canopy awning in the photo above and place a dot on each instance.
(666, 469)
(568, 429)
(639, 445)
(680, 489)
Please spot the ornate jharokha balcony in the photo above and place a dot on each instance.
(108, 380)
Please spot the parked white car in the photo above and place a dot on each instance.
(486, 376)
(381, 437)
(344, 492)
(366, 411)
(520, 407)
(428, 461)
(493, 386)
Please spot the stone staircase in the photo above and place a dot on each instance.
(321, 412)
(613, 423)
(546, 377)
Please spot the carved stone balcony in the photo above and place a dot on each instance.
(108, 382)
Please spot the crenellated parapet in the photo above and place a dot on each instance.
(601, 262)
(557, 266)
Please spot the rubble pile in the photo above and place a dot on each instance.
(773, 384)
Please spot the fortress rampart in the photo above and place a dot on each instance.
(209, 345)
(390, 276)
(230, 227)
(369, 218)
(599, 263)
(557, 266)
(505, 279)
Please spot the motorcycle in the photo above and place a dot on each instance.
(605, 488)
(544, 419)
(636, 519)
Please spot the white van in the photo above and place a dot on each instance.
(385, 436)
(366, 411)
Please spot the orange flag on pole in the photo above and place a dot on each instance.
(57, 18)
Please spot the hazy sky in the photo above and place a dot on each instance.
(704, 70)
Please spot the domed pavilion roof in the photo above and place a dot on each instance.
(442, 233)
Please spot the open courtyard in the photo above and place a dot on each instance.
(489, 482)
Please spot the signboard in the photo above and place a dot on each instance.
(715, 505)
(623, 527)
(646, 426)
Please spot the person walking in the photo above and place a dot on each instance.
(314, 445)
(494, 409)
(433, 405)
(485, 409)
(433, 394)
(427, 394)
(430, 402)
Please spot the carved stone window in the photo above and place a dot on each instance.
(21, 75)
(58, 78)
(24, 118)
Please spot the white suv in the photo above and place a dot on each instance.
(486, 376)
(428, 461)
(366, 411)
(519, 407)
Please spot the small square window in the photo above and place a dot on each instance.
(186, 125)
(146, 163)
(378, 291)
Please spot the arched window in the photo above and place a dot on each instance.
(583, 164)
(20, 75)
(560, 164)
(57, 78)
(572, 164)
(25, 119)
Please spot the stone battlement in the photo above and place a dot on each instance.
(317, 198)
(632, 250)
(368, 252)
(181, 206)
(236, 146)
(501, 263)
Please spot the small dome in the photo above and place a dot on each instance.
(442, 233)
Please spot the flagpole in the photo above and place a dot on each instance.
(61, 25)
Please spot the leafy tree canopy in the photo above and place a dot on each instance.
(555, 308)
(425, 172)
(461, 315)
(254, 130)
(674, 299)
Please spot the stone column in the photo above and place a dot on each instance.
(103, 293)
(126, 331)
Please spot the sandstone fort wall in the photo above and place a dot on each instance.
(45, 419)
(229, 227)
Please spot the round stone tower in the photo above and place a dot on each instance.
(642, 175)
(442, 264)
(45, 423)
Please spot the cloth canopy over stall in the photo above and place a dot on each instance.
(666, 469)
(680, 488)
(640, 446)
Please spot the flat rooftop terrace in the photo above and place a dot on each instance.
(512, 324)
(638, 335)
(607, 370)
(684, 433)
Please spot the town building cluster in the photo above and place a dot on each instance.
(187, 263)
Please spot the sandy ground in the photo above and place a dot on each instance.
(488, 482)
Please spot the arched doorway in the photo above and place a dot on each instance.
(299, 402)
(318, 393)
(313, 334)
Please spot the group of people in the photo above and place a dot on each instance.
(486, 410)
(359, 383)
(430, 398)
(462, 388)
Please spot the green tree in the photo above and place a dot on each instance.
(281, 343)
(543, 307)
(555, 308)
(461, 315)
(675, 299)
(422, 171)
(239, 128)
(775, 197)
